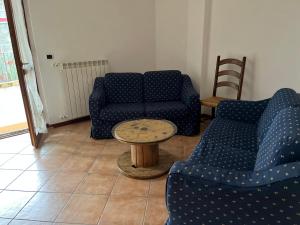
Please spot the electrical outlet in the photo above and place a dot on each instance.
(49, 56)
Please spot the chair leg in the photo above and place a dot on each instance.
(213, 113)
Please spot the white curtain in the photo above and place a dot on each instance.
(36, 104)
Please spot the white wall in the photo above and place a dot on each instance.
(171, 30)
(267, 32)
(196, 40)
(140, 35)
(71, 30)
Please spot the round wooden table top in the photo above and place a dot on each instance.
(144, 131)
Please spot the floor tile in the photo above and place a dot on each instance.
(4, 221)
(63, 182)
(30, 181)
(174, 146)
(105, 164)
(190, 144)
(92, 141)
(156, 212)
(187, 151)
(175, 141)
(8, 176)
(67, 224)
(85, 209)
(5, 157)
(8, 145)
(50, 162)
(78, 163)
(158, 187)
(74, 139)
(63, 148)
(81, 197)
(97, 184)
(124, 210)
(115, 148)
(191, 141)
(11, 202)
(52, 136)
(19, 162)
(28, 222)
(132, 187)
(90, 150)
(30, 150)
(44, 206)
(111, 141)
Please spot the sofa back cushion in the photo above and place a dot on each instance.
(162, 85)
(281, 143)
(282, 99)
(124, 87)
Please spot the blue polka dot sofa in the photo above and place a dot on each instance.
(246, 168)
(159, 94)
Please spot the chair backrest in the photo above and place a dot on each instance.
(237, 74)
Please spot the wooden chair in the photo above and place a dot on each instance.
(215, 100)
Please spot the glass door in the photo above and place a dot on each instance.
(12, 114)
(25, 69)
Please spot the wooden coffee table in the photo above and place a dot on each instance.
(145, 160)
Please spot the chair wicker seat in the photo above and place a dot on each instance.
(212, 101)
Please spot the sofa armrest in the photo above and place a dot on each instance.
(244, 111)
(200, 194)
(189, 96)
(236, 178)
(97, 98)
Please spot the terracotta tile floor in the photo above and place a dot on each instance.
(73, 179)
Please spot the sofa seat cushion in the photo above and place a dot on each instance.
(228, 144)
(284, 98)
(162, 86)
(122, 111)
(124, 87)
(166, 110)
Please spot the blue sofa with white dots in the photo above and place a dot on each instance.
(246, 168)
(156, 94)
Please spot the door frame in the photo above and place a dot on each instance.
(35, 138)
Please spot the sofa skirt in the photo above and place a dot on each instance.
(188, 126)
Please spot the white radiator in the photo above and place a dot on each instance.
(78, 79)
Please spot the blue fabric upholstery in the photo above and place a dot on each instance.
(121, 112)
(233, 176)
(124, 87)
(113, 101)
(97, 99)
(281, 143)
(188, 126)
(162, 86)
(198, 194)
(189, 96)
(102, 129)
(166, 110)
(244, 111)
(282, 99)
(228, 144)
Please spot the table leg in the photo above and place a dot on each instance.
(145, 162)
(144, 155)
